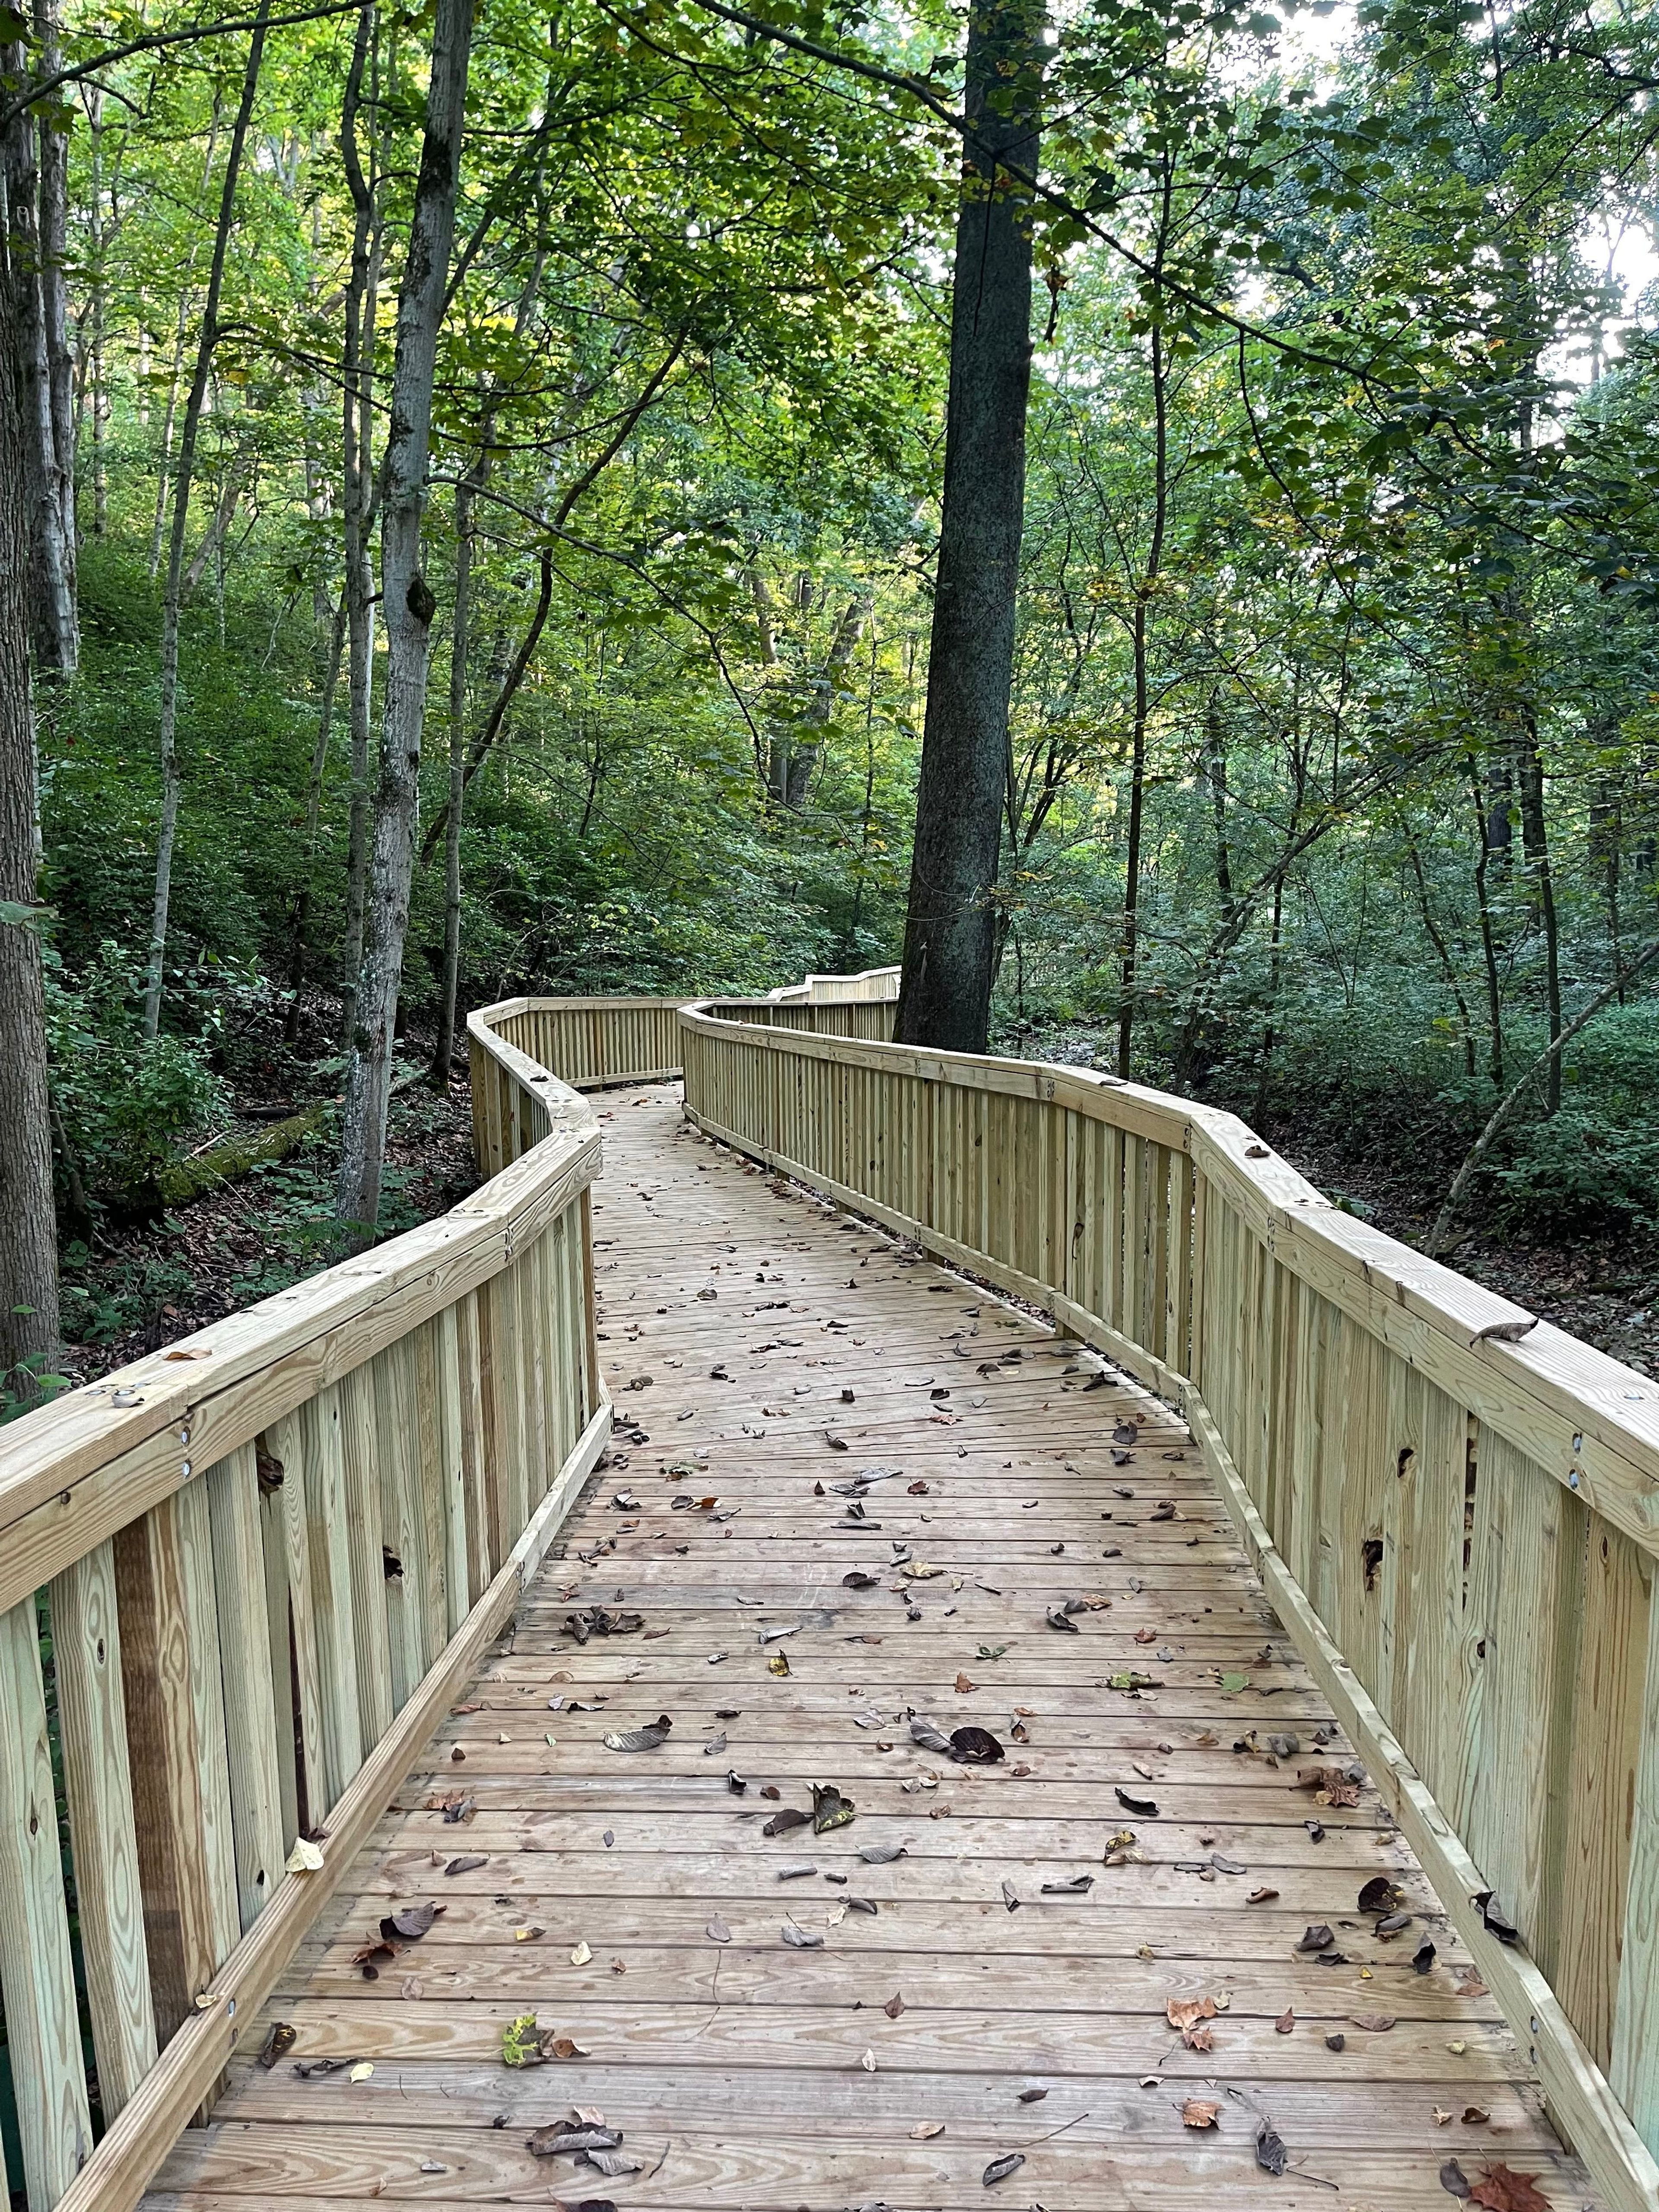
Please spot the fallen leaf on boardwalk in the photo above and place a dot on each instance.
(894, 2006)
(1441, 2119)
(1374, 2023)
(412, 1921)
(781, 1822)
(829, 1808)
(778, 1663)
(868, 2061)
(1000, 2168)
(1185, 2013)
(1232, 1683)
(771, 1789)
(1078, 1886)
(929, 1734)
(1378, 1895)
(527, 1935)
(1475, 2116)
(1031, 2096)
(305, 2068)
(1453, 2179)
(306, 1857)
(975, 1746)
(774, 1635)
(1495, 1924)
(1270, 2152)
(859, 1580)
(581, 1955)
(1146, 1636)
(1317, 1936)
(797, 1873)
(925, 2130)
(1261, 1897)
(277, 2044)
(1145, 1806)
(964, 1687)
(882, 1854)
(916, 1490)
(834, 1443)
(1131, 1681)
(1336, 2043)
(563, 2135)
(360, 2071)
(1009, 1897)
(1225, 1865)
(611, 2163)
(802, 1939)
(991, 1651)
(1392, 1924)
(1286, 2024)
(640, 1739)
(1196, 2114)
(466, 1864)
(1471, 1985)
(1126, 1432)
(190, 1352)
(1059, 1619)
(1422, 1957)
(864, 1904)
(715, 1745)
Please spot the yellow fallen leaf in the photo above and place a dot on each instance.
(360, 2071)
(306, 1857)
(527, 1935)
(778, 1663)
(1457, 2048)
(581, 1955)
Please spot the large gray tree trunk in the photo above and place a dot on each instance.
(409, 607)
(36, 161)
(945, 995)
(357, 429)
(28, 1241)
(172, 775)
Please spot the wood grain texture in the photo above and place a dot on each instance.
(243, 1652)
(37, 1978)
(747, 2055)
(86, 1641)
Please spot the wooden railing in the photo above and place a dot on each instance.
(1455, 1510)
(239, 1583)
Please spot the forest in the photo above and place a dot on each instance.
(1144, 510)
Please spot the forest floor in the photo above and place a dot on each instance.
(143, 1283)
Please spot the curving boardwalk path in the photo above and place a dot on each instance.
(896, 2054)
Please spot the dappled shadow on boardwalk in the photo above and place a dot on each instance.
(822, 1435)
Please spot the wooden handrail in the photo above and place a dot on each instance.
(1454, 1508)
(263, 1561)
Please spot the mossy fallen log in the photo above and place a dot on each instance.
(181, 1181)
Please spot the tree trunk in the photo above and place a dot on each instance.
(356, 426)
(410, 607)
(1139, 644)
(28, 1239)
(444, 1053)
(1488, 938)
(945, 995)
(36, 157)
(171, 780)
(335, 647)
(1534, 838)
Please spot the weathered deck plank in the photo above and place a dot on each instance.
(740, 2070)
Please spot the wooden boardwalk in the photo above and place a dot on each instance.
(1008, 1994)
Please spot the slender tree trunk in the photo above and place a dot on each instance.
(296, 958)
(35, 163)
(444, 1054)
(1215, 774)
(358, 424)
(1130, 972)
(28, 1240)
(945, 995)
(804, 757)
(410, 606)
(171, 781)
(1443, 952)
(1534, 836)
(54, 302)
(95, 366)
(1488, 936)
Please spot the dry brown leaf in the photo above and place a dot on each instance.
(1186, 2012)
(1501, 2190)
(1285, 2022)
(964, 1687)
(1196, 2114)
(925, 2130)
(894, 2006)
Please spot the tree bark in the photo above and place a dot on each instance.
(356, 429)
(945, 995)
(1534, 840)
(36, 163)
(444, 1052)
(28, 1239)
(410, 606)
(172, 780)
